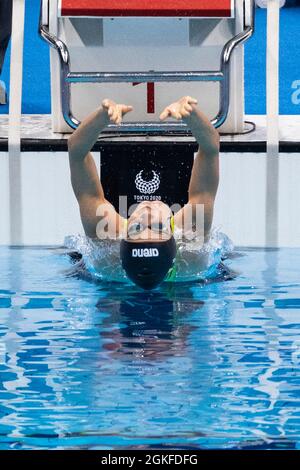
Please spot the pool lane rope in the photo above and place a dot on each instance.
(272, 162)
(14, 132)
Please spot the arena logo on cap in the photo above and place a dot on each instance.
(145, 253)
(147, 187)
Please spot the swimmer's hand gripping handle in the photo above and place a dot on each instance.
(85, 136)
(182, 108)
(115, 111)
(203, 131)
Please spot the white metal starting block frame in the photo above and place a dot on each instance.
(222, 76)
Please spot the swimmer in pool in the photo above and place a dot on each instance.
(147, 246)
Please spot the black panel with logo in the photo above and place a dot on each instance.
(146, 172)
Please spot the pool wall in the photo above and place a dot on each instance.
(249, 214)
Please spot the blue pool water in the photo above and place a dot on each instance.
(190, 366)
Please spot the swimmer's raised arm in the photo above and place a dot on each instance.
(202, 129)
(85, 136)
(84, 176)
(205, 173)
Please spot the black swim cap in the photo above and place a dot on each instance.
(147, 263)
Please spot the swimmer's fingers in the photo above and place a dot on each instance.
(126, 109)
(110, 111)
(175, 112)
(187, 107)
(184, 113)
(115, 111)
(166, 113)
(186, 110)
(189, 100)
(118, 119)
(108, 104)
(114, 116)
(120, 111)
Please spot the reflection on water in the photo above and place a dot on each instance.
(188, 366)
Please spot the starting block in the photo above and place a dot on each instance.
(147, 54)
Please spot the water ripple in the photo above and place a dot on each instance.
(188, 366)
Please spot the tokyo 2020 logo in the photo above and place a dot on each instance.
(147, 187)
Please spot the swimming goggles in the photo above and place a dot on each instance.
(158, 227)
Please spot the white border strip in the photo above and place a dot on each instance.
(14, 132)
(232, 8)
(272, 123)
(59, 9)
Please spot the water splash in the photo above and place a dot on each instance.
(195, 260)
